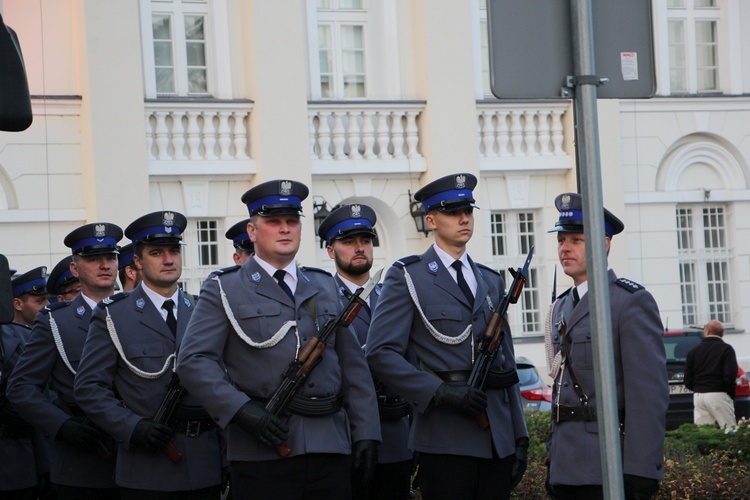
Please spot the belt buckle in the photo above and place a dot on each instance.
(193, 428)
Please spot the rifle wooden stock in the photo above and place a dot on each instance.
(493, 335)
(307, 359)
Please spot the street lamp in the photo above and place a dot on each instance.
(418, 214)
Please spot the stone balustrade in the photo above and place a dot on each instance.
(188, 132)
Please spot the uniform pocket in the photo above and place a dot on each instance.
(148, 356)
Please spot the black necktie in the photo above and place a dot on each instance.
(171, 320)
(279, 275)
(462, 284)
(576, 298)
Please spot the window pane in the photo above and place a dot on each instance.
(324, 4)
(351, 37)
(163, 53)
(197, 81)
(194, 28)
(325, 61)
(673, 4)
(353, 62)
(497, 230)
(196, 55)
(208, 251)
(354, 86)
(164, 81)
(161, 25)
(705, 32)
(351, 4)
(704, 3)
(677, 57)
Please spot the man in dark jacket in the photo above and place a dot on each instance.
(710, 372)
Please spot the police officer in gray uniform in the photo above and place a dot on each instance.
(61, 284)
(23, 456)
(422, 342)
(83, 461)
(127, 366)
(253, 319)
(640, 371)
(348, 232)
(243, 245)
(127, 271)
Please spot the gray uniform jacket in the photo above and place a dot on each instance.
(18, 455)
(394, 431)
(117, 399)
(641, 379)
(41, 367)
(260, 308)
(402, 352)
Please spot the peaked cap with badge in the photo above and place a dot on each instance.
(60, 276)
(96, 238)
(126, 256)
(239, 237)
(277, 197)
(570, 206)
(157, 228)
(348, 220)
(32, 282)
(448, 194)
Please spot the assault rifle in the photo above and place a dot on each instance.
(310, 355)
(175, 392)
(493, 334)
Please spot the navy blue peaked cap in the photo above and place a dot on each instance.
(239, 237)
(277, 197)
(448, 194)
(33, 282)
(94, 239)
(348, 220)
(157, 228)
(60, 275)
(126, 256)
(570, 206)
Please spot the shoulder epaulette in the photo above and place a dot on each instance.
(113, 298)
(487, 268)
(56, 305)
(226, 270)
(405, 261)
(315, 270)
(630, 286)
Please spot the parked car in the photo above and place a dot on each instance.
(677, 343)
(535, 394)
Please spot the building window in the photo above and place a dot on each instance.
(201, 253)
(513, 235)
(341, 35)
(704, 264)
(179, 53)
(693, 46)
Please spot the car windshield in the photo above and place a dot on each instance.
(677, 346)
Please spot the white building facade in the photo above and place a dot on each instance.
(183, 105)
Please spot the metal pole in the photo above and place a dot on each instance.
(587, 147)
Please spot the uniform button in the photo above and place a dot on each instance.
(299, 318)
(566, 384)
(259, 311)
(311, 384)
(443, 313)
(304, 338)
(144, 352)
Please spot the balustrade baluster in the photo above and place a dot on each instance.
(412, 135)
(240, 135)
(353, 134)
(368, 134)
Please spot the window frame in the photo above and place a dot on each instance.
(525, 318)
(699, 262)
(336, 18)
(216, 47)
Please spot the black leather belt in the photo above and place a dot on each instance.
(562, 413)
(393, 407)
(454, 376)
(495, 379)
(306, 406)
(193, 428)
(9, 431)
